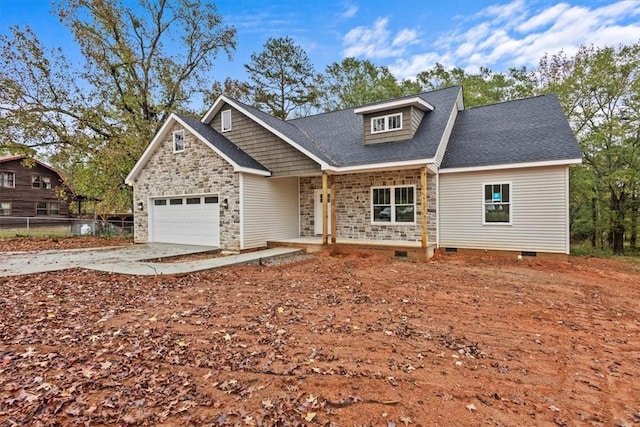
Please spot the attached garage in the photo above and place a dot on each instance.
(188, 220)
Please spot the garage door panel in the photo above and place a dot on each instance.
(194, 221)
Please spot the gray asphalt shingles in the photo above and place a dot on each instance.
(521, 131)
(340, 133)
(223, 144)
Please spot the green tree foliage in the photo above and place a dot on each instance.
(282, 80)
(482, 88)
(354, 82)
(140, 64)
(600, 91)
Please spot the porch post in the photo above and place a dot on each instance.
(423, 205)
(333, 209)
(325, 210)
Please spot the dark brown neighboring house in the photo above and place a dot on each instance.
(30, 188)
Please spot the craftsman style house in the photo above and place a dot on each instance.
(415, 173)
(29, 188)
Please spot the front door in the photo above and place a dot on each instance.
(318, 212)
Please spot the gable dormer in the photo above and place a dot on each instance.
(395, 120)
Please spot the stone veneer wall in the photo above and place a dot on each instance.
(196, 170)
(353, 203)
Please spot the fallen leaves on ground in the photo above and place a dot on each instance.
(327, 340)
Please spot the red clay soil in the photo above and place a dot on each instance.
(27, 243)
(329, 341)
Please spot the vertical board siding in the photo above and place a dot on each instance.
(270, 209)
(538, 210)
(272, 152)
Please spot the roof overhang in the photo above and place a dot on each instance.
(206, 119)
(415, 101)
(160, 135)
(373, 167)
(563, 162)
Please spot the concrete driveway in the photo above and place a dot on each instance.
(17, 263)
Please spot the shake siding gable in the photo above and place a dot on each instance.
(406, 132)
(275, 154)
(269, 210)
(539, 213)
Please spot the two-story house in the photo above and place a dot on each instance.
(30, 188)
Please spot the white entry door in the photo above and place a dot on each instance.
(188, 220)
(318, 211)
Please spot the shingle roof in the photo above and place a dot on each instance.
(223, 144)
(340, 133)
(522, 131)
(287, 128)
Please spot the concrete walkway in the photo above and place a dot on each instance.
(124, 260)
(154, 268)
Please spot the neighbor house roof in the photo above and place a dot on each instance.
(9, 158)
(531, 130)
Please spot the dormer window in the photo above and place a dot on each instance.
(226, 121)
(178, 141)
(386, 123)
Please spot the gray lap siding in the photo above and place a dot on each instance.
(352, 202)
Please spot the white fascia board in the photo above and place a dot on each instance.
(149, 150)
(565, 162)
(206, 119)
(280, 135)
(405, 164)
(161, 134)
(400, 103)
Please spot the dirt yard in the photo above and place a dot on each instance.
(327, 340)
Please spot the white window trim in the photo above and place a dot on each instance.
(222, 120)
(386, 123)
(392, 220)
(484, 218)
(13, 181)
(174, 141)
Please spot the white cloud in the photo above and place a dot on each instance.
(377, 41)
(350, 12)
(405, 37)
(543, 19)
(514, 35)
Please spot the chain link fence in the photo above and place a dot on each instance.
(71, 226)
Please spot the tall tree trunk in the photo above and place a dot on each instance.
(634, 220)
(594, 221)
(617, 226)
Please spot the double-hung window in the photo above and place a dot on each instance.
(178, 141)
(5, 208)
(497, 203)
(8, 179)
(393, 205)
(386, 123)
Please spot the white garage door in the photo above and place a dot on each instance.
(189, 220)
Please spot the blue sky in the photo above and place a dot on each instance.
(407, 36)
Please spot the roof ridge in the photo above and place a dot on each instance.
(528, 98)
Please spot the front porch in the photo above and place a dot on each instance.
(391, 248)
